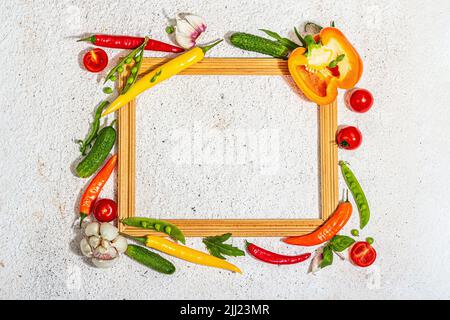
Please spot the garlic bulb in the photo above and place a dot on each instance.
(103, 244)
(188, 28)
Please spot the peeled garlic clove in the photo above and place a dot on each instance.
(105, 253)
(108, 231)
(196, 22)
(92, 229)
(86, 249)
(120, 243)
(94, 241)
(103, 263)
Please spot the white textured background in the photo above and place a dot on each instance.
(46, 101)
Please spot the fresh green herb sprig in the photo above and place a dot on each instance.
(288, 43)
(339, 243)
(218, 248)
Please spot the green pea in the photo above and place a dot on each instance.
(130, 80)
(128, 60)
(355, 232)
(134, 70)
(168, 230)
(370, 240)
(157, 227)
(113, 78)
(120, 69)
(107, 90)
(170, 29)
(137, 59)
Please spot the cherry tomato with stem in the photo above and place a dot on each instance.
(349, 138)
(95, 60)
(359, 100)
(363, 254)
(105, 210)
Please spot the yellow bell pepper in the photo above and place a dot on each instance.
(186, 253)
(318, 72)
(167, 70)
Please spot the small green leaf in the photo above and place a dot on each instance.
(299, 36)
(340, 243)
(332, 24)
(218, 248)
(327, 257)
(338, 59)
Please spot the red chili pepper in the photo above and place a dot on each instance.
(127, 42)
(93, 190)
(274, 258)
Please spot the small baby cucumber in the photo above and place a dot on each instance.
(262, 45)
(150, 259)
(98, 153)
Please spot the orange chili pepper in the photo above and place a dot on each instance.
(95, 187)
(320, 83)
(326, 231)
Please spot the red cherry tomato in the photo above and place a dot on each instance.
(95, 60)
(363, 254)
(359, 100)
(105, 210)
(349, 138)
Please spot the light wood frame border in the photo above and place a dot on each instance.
(328, 165)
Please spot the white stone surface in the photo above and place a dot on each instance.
(46, 102)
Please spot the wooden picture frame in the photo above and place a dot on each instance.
(328, 162)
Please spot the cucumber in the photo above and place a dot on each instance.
(98, 153)
(259, 44)
(150, 259)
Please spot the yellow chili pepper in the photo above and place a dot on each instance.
(186, 253)
(167, 70)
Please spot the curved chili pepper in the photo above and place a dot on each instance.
(328, 230)
(272, 257)
(93, 190)
(127, 42)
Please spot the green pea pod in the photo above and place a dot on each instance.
(358, 194)
(98, 153)
(157, 225)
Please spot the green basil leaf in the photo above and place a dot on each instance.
(218, 248)
(340, 243)
(327, 257)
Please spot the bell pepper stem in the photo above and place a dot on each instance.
(209, 47)
(90, 39)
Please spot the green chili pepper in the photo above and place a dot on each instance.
(358, 194)
(158, 225)
(94, 128)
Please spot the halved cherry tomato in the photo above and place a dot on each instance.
(359, 100)
(95, 60)
(363, 254)
(105, 210)
(349, 138)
